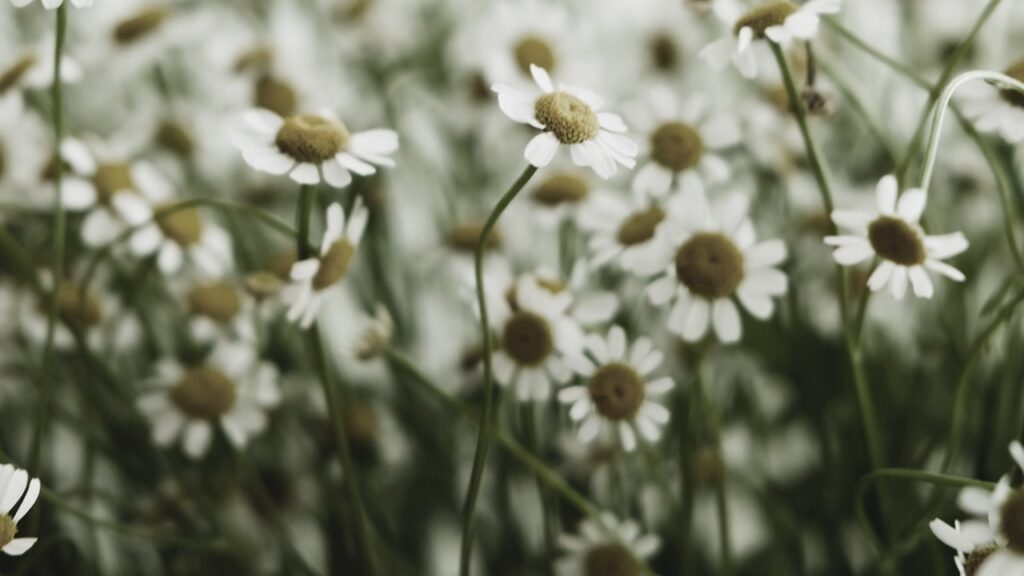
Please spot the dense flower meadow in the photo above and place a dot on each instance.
(511, 288)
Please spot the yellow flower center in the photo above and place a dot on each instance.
(8, 530)
(977, 558)
(664, 52)
(140, 25)
(764, 17)
(676, 146)
(275, 95)
(533, 50)
(611, 559)
(617, 391)
(217, 301)
(1015, 71)
(567, 117)
(204, 393)
(311, 139)
(111, 179)
(73, 309)
(567, 188)
(640, 226)
(263, 284)
(464, 237)
(710, 265)
(334, 264)
(11, 76)
(257, 59)
(184, 226)
(174, 138)
(895, 240)
(527, 339)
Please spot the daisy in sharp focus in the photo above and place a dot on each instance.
(312, 276)
(780, 22)
(568, 117)
(894, 235)
(705, 260)
(311, 147)
(1000, 112)
(991, 543)
(684, 139)
(617, 395)
(606, 546)
(232, 389)
(15, 485)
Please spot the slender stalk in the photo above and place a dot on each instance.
(483, 438)
(57, 255)
(713, 421)
(530, 434)
(307, 194)
(686, 479)
(864, 396)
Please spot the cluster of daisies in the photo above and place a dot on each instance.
(638, 246)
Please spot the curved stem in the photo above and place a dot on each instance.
(57, 255)
(483, 438)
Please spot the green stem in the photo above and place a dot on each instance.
(713, 420)
(307, 194)
(483, 437)
(57, 255)
(530, 434)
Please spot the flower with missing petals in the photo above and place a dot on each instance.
(569, 117)
(894, 235)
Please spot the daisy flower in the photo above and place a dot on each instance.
(621, 227)
(536, 334)
(231, 390)
(560, 195)
(606, 545)
(218, 309)
(617, 393)
(685, 138)
(314, 275)
(569, 117)
(780, 22)
(894, 235)
(309, 147)
(15, 485)
(33, 69)
(705, 261)
(1001, 112)
(53, 4)
(518, 34)
(180, 236)
(991, 543)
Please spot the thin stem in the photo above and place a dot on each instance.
(870, 50)
(530, 434)
(307, 194)
(57, 255)
(713, 421)
(483, 437)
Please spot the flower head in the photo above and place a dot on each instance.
(15, 485)
(310, 146)
(569, 117)
(607, 546)
(894, 235)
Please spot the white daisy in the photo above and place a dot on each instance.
(1000, 112)
(217, 310)
(33, 69)
(617, 395)
(535, 335)
(308, 147)
(606, 545)
(181, 236)
(314, 275)
(684, 138)
(706, 261)
(571, 117)
(517, 34)
(231, 389)
(15, 485)
(560, 195)
(53, 4)
(621, 227)
(992, 542)
(779, 21)
(894, 235)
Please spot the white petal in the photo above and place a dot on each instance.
(18, 546)
(911, 205)
(853, 254)
(378, 142)
(15, 488)
(854, 220)
(268, 159)
(336, 175)
(767, 253)
(262, 121)
(726, 320)
(898, 284)
(921, 283)
(30, 499)
(541, 77)
(305, 173)
(880, 277)
(197, 438)
(355, 164)
(541, 149)
(945, 269)
(697, 316)
(616, 343)
(885, 195)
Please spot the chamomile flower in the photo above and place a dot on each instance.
(1000, 112)
(309, 147)
(535, 335)
(621, 227)
(312, 276)
(606, 546)
(992, 542)
(53, 4)
(218, 309)
(15, 485)
(706, 261)
(779, 21)
(685, 138)
(178, 236)
(515, 35)
(617, 395)
(894, 235)
(231, 390)
(569, 117)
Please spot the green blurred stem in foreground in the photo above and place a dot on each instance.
(46, 370)
(483, 438)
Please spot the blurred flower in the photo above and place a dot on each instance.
(606, 545)
(617, 393)
(314, 275)
(15, 485)
(621, 226)
(1001, 112)
(894, 235)
(308, 146)
(377, 334)
(52, 4)
(569, 117)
